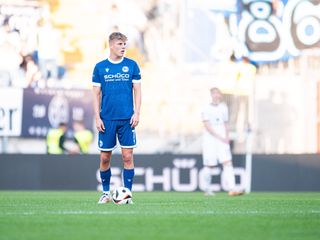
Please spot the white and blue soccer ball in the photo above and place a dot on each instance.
(122, 195)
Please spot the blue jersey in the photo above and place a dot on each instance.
(115, 80)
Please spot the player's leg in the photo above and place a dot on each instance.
(127, 140)
(107, 142)
(105, 170)
(128, 167)
(225, 158)
(209, 158)
(207, 180)
(228, 176)
(105, 175)
(228, 173)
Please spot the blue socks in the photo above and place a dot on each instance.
(105, 180)
(128, 175)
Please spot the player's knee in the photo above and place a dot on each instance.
(105, 160)
(127, 160)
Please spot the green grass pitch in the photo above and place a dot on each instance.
(159, 215)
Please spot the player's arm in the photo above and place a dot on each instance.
(96, 108)
(214, 133)
(137, 104)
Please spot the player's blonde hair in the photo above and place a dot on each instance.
(117, 36)
(214, 88)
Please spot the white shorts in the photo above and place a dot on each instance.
(214, 152)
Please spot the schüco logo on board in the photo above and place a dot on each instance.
(183, 176)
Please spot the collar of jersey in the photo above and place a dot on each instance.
(115, 62)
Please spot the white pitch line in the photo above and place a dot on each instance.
(162, 213)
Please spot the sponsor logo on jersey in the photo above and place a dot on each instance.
(107, 69)
(116, 77)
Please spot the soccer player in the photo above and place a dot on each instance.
(117, 100)
(216, 146)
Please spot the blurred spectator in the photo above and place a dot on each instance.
(31, 71)
(48, 50)
(56, 139)
(10, 54)
(82, 136)
(134, 24)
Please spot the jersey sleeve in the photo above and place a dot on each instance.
(95, 77)
(136, 76)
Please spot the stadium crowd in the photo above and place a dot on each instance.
(29, 45)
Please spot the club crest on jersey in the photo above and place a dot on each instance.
(125, 69)
(107, 69)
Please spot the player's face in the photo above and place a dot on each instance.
(216, 96)
(118, 48)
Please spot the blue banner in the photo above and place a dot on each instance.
(46, 108)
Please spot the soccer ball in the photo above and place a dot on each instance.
(121, 195)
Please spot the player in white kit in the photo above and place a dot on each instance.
(216, 143)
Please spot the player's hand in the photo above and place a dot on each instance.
(223, 139)
(134, 121)
(100, 125)
(226, 140)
